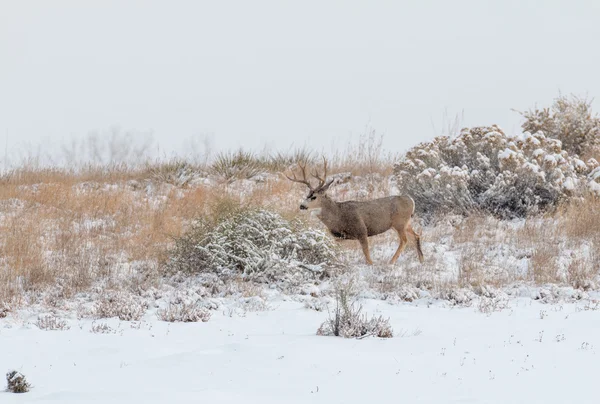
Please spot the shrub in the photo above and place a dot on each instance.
(483, 169)
(349, 322)
(176, 172)
(16, 382)
(185, 312)
(49, 322)
(101, 328)
(569, 120)
(253, 242)
(120, 304)
(237, 165)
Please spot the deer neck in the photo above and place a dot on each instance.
(330, 213)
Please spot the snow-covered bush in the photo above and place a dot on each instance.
(185, 312)
(256, 243)
(484, 169)
(569, 120)
(120, 304)
(49, 322)
(16, 382)
(348, 321)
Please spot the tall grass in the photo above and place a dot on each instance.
(64, 229)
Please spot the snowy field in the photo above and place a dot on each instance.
(529, 352)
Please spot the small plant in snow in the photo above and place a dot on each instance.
(16, 382)
(49, 322)
(549, 296)
(119, 304)
(458, 296)
(102, 328)
(489, 305)
(408, 293)
(348, 321)
(185, 312)
(316, 304)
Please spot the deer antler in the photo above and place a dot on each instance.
(316, 175)
(301, 181)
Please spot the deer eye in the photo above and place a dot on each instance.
(312, 198)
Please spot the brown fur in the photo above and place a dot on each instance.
(356, 220)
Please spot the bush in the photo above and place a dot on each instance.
(185, 312)
(349, 322)
(255, 243)
(237, 165)
(49, 322)
(120, 304)
(569, 120)
(176, 172)
(102, 328)
(483, 169)
(16, 382)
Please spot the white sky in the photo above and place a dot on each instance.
(282, 73)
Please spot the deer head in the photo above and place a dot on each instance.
(315, 194)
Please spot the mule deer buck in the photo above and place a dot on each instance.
(358, 220)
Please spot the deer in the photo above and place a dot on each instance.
(359, 220)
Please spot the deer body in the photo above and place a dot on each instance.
(358, 220)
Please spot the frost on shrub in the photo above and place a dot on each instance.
(16, 382)
(458, 296)
(569, 120)
(348, 321)
(49, 322)
(101, 328)
(119, 304)
(185, 312)
(483, 169)
(258, 244)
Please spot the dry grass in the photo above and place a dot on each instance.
(73, 229)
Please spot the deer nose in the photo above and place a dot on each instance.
(303, 207)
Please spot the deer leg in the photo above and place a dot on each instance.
(403, 240)
(417, 242)
(364, 243)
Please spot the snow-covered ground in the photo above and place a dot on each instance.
(529, 352)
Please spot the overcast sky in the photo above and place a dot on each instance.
(282, 73)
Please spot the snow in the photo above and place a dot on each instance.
(551, 159)
(506, 154)
(594, 187)
(529, 352)
(569, 184)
